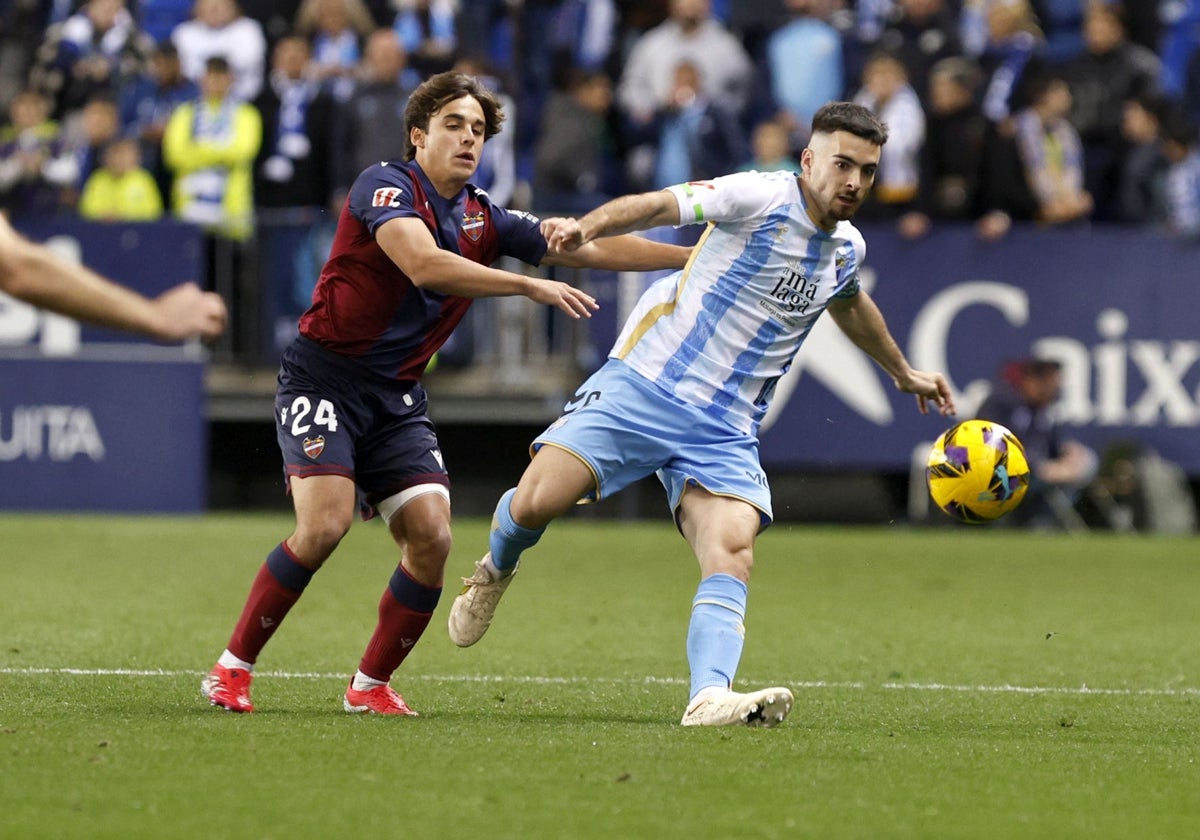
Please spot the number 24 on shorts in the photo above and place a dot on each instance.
(299, 411)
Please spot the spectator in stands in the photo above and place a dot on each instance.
(770, 145)
(1180, 47)
(367, 124)
(120, 189)
(1004, 194)
(87, 134)
(36, 167)
(335, 30)
(1022, 399)
(552, 39)
(490, 28)
(95, 51)
(1181, 148)
(799, 88)
(1011, 56)
(210, 145)
(1062, 23)
(147, 104)
(582, 33)
(293, 163)
(160, 17)
(1141, 179)
(497, 171)
(426, 29)
(952, 155)
(973, 30)
(887, 94)
(22, 28)
(920, 34)
(1109, 71)
(574, 162)
(698, 137)
(1191, 90)
(36, 275)
(218, 28)
(691, 35)
(1052, 155)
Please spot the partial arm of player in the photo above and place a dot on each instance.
(410, 245)
(621, 215)
(35, 274)
(620, 253)
(860, 319)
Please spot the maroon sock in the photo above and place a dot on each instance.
(404, 613)
(278, 585)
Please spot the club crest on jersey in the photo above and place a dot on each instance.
(472, 225)
(386, 197)
(314, 446)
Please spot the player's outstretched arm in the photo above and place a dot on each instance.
(860, 319)
(627, 252)
(35, 274)
(621, 215)
(410, 245)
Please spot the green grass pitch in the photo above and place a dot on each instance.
(958, 683)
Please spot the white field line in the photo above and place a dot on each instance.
(800, 685)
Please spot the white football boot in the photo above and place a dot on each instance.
(472, 611)
(723, 707)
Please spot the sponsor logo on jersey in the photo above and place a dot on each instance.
(386, 197)
(314, 446)
(472, 225)
(529, 217)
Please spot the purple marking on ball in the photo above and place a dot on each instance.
(958, 455)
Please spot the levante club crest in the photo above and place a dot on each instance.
(472, 225)
(314, 446)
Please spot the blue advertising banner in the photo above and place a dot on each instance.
(92, 419)
(1117, 307)
(102, 435)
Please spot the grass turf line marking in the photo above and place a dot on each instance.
(803, 685)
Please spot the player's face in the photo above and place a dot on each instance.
(449, 150)
(837, 171)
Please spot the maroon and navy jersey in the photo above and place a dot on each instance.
(364, 307)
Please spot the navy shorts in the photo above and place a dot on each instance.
(336, 418)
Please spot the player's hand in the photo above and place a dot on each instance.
(929, 387)
(576, 303)
(187, 312)
(562, 235)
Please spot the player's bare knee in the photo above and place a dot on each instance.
(528, 508)
(428, 540)
(316, 537)
(536, 504)
(735, 561)
(419, 521)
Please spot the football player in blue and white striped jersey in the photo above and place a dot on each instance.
(690, 378)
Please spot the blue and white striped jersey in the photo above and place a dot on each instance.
(720, 333)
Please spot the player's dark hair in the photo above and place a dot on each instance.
(435, 92)
(851, 118)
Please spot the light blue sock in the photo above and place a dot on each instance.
(508, 539)
(716, 634)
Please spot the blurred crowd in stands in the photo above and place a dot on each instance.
(1061, 112)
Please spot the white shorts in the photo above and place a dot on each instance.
(625, 427)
